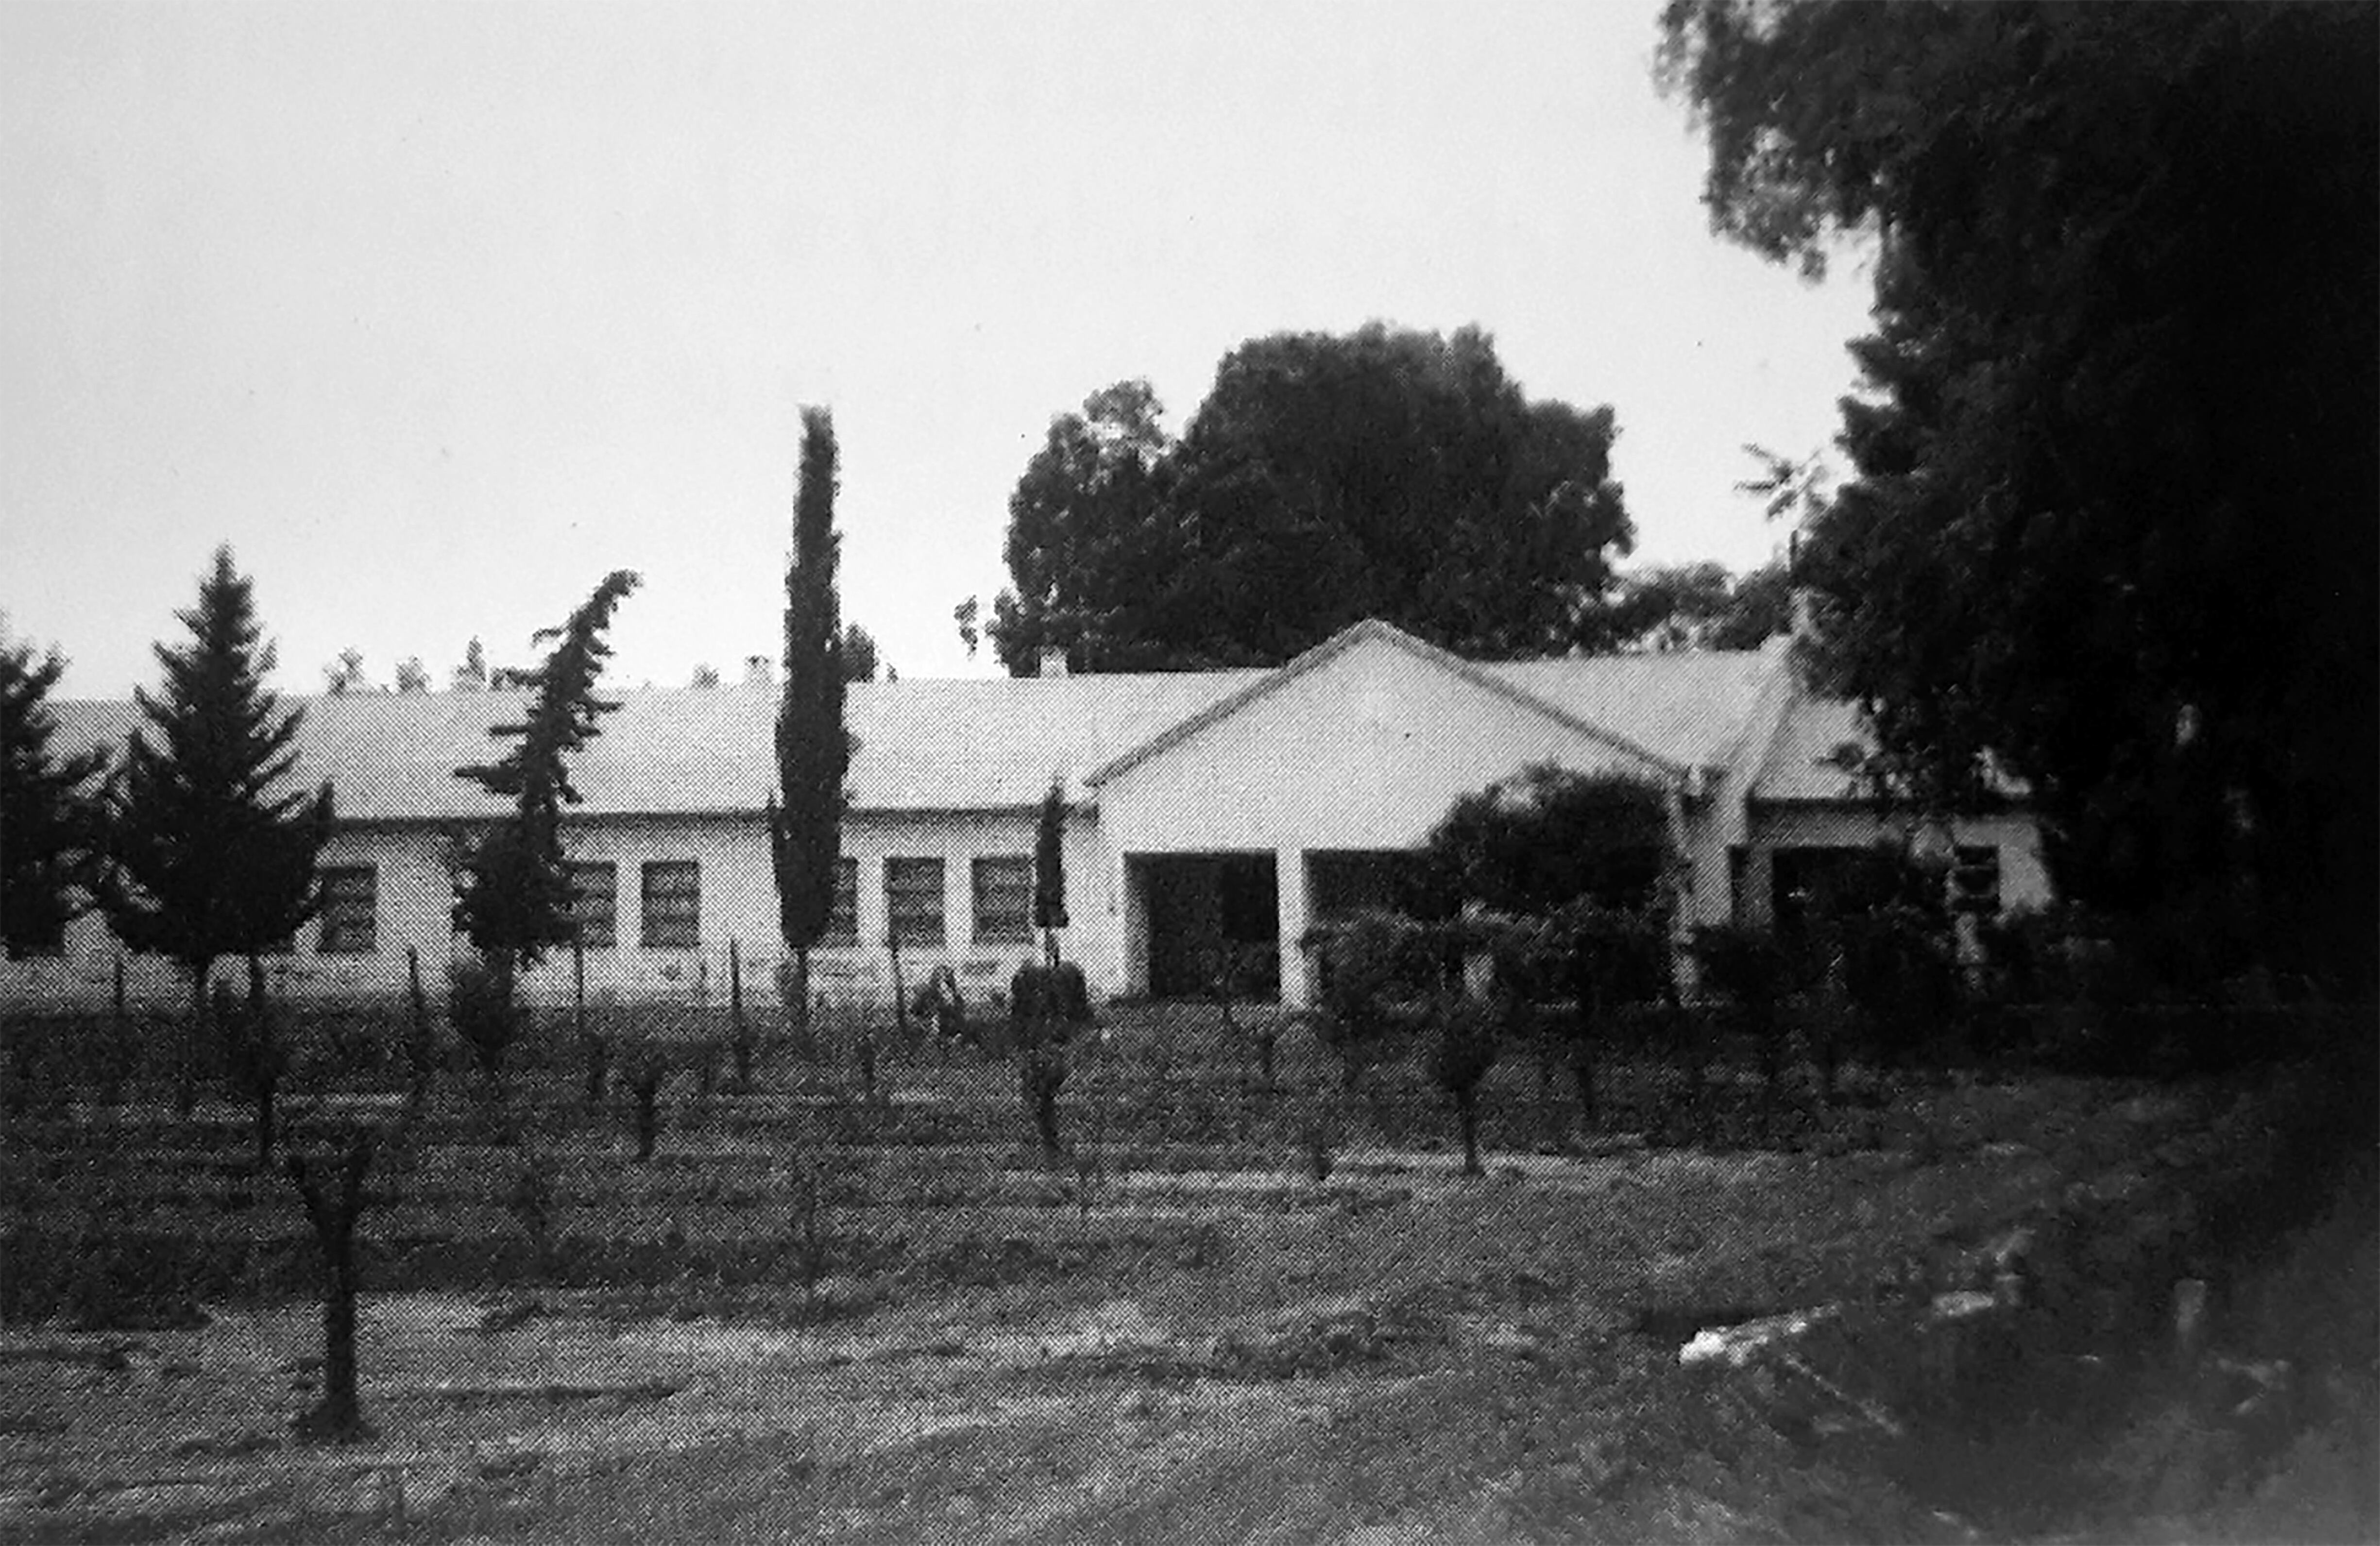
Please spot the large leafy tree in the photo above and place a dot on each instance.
(1093, 546)
(813, 747)
(48, 809)
(513, 900)
(2114, 516)
(1324, 478)
(208, 853)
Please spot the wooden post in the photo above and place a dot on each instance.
(739, 1033)
(119, 1048)
(578, 985)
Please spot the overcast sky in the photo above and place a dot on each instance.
(438, 313)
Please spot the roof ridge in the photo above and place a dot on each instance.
(1478, 673)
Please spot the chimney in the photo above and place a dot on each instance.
(1052, 664)
(756, 673)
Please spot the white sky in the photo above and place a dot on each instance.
(438, 313)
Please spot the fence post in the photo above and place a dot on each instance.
(119, 1046)
(419, 1047)
(739, 1033)
(578, 986)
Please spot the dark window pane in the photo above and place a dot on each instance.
(913, 900)
(350, 910)
(1003, 899)
(673, 911)
(595, 903)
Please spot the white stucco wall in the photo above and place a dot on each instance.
(2024, 877)
(738, 903)
(1365, 752)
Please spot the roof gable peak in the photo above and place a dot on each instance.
(1371, 630)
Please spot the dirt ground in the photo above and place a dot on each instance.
(1201, 1350)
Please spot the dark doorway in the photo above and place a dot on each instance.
(1389, 880)
(1208, 912)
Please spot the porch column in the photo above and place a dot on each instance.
(1289, 885)
(1132, 932)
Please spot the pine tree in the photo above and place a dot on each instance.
(515, 901)
(203, 860)
(48, 813)
(813, 747)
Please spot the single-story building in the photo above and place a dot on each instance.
(1204, 808)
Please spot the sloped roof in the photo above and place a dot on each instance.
(1802, 766)
(1685, 707)
(925, 744)
(1489, 677)
(1799, 763)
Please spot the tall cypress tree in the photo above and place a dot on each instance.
(202, 859)
(1049, 870)
(515, 901)
(813, 747)
(48, 815)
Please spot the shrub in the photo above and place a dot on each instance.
(1368, 962)
(481, 1007)
(1466, 1035)
(1047, 1005)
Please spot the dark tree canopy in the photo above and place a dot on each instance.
(515, 901)
(48, 811)
(1698, 605)
(1549, 836)
(2117, 510)
(204, 858)
(813, 747)
(1326, 479)
(862, 661)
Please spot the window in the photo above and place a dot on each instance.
(913, 900)
(1976, 881)
(595, 903)
(672, 905)
(1003, 897)
(350, 910)
(843, 924)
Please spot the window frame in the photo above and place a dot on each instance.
(1971, 864)
(577, 870)
(661, 922)
(842, 913)
(900, 922)
(338, 925)
(1017, 930)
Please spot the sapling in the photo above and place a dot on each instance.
(530, 1202)
(813, 1248)
(739, 1025)
(253, 1051)
(335, 1199)
(1467, 1033)
(646, 1072)
(422, 1049)
(1047, 1007)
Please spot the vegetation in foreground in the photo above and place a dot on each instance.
(816, 1314)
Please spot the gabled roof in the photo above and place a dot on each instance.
(1502, 680)
(937, 744)
(1803, 765)
(923, 745)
